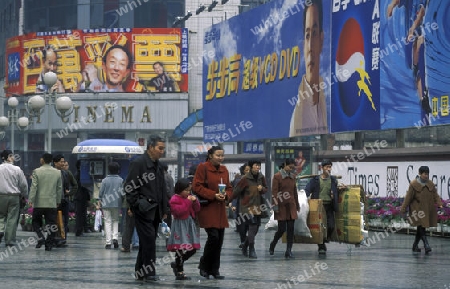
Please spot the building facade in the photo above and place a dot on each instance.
(134, 116)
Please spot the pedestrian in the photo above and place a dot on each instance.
(170, 184)
(421, 199)
(249, 190)
(58, 163)
(324, 187)
(128, 227)
(110, 200)
(146, 194)
(82, 197)
(212, 217)
(184, 239)
(285, 205)
(13, 187)
(45, 197)
(241, 227)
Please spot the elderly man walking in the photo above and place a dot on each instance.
(13, 186)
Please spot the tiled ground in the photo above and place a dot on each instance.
(85, 263)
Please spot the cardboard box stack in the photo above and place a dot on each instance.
(316, 223)
(348, 219)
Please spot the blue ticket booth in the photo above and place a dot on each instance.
(94, 155)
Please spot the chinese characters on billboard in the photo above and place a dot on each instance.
(99, 60)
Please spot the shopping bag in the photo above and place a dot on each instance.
(301, 225)
(272, 224)
(60, 225)
(164, 230)
(98, 220)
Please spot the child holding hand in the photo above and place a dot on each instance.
(185, 238)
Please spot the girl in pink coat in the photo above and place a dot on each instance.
(184, 239)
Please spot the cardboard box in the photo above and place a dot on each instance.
(350, 234)
(349, 201)
(348, 229)
(316, 222)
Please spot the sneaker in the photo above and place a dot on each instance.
(116, 244)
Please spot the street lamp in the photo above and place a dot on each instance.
(63, 105)
(13, 118)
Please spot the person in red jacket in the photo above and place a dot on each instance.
(212, 217)
(184, 239)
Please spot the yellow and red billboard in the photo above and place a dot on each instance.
(159, 60)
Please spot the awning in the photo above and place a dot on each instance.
(107, 146)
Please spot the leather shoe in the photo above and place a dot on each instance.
(125, 250)
(151, 278)
(217, 275)
(39, 244)
(1, 236)
(203, 273)
(116, 244)
(48, 248)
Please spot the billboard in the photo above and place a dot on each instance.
(99, 60)
(269, 74)
(415, 55)
(355, 101)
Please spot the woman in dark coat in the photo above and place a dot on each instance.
(285, 205)
(420, 199)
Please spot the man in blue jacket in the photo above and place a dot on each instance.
(324, 187)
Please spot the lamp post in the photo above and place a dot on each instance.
(13, 119)
(63, 105)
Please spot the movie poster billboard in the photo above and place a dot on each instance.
(415, 57)
(99, 60)
(302, 156)
(267, 73)
(355, 68)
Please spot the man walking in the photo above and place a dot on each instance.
(45, 196)
(145, 190)
(69, 187)
(324, 187)
(13, 186)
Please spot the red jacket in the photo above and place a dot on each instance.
(181, 207)
(206, 184)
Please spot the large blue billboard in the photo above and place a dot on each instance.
(415, 59)
(355, 101)
(268, 73)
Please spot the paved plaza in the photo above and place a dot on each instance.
(84, 263)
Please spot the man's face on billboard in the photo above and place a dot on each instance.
(50, 63)
(158, 69)
(312, 44)
(116, 66)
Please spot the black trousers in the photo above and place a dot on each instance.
(50, 224)
(127, 230)
(80, 212)
(146, 228)
(330, 220)
(210, 261)
(288, 227)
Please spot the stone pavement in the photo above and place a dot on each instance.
(387, 263)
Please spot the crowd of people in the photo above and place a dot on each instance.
(148, 195)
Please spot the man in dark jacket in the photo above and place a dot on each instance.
(324, 187)
(145, 190)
